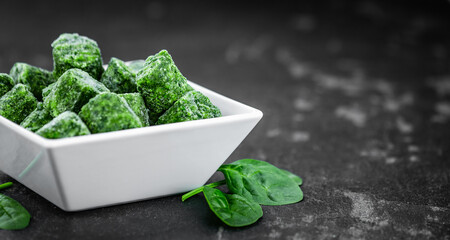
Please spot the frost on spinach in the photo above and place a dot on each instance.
(253, 183)
(18, 103)
(71, 50)
(13, 216)
(232, 209)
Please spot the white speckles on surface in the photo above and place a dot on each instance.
(353, 114)
(413, 158)
(249, 51)
(414, 232)
(381, 215)
(441, 85)
(303, 105)
(355, 232)
(394, 104)
(413, 149)
(403, 126)
(261, 155)
(298, 70)
(282, 224)
(437, 209)
(299, 136)
(362, 207)
(233, 52)
(432, 218)
(219, 233)
(442, 112)
(257, 48)
(274, 132)
(384, 87)
(295, 67)
(391, 160)
(407, 98)
(351, 86)
(375, 153)
(308, 218)
(383, 223)
(391, 105)
(296, 236)
(274, 234)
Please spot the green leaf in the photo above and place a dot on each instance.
(234, 210)
(13, 215)
(5, 185)
(262, 182)
(200, 189)
(294, 177)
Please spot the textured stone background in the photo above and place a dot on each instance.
(355, 95)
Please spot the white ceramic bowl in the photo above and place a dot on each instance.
(117, 167)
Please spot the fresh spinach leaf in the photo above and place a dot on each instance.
(294, 177)
(5, 185)
(13, 215)
(253, 182)
(200, 189)
(232, 209)
(261, 182)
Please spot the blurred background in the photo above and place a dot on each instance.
(355, 95)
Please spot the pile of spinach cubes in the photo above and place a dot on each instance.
(79, 97)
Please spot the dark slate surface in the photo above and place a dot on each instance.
(355, 95)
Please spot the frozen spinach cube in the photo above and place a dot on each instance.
(71, 50)
(38, 118)
(137, 104)
(161, 84)
(46, 91)
(34, 77)
(136, 65)
(108, 112)
(6, 83)
(119, 78)
(67, 124)
(72, 90)
(192, 106)
(18, 103)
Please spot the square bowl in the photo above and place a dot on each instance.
(111, 168)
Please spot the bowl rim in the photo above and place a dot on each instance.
(249, 113)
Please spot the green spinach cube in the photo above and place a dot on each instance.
(47, 90)
(6, 83)
(109, 112)
(137, 104)
(72, 90)
(34, 77)
(119, 78)
(71, 50)
(67, 124)
(37, 119)
(192, 106)
(18, 103)
(161, 84)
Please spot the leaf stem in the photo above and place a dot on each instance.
(5, 185)
(200, 189)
